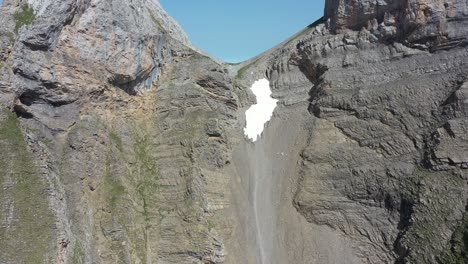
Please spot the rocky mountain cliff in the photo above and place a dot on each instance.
(122, 143)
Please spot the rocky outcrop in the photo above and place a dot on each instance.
(419, 23)
(366, 166)
(121, 175)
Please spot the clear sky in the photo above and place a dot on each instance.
(236, 30)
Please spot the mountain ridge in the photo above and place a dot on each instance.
(124, 144)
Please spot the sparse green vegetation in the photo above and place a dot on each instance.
(210, 225)
(433, 206)
(116, 140)
(242, 71)
(458, 252)
(25, 17)
(78, 254)
(147, 174)
(156, 22)
(29, 227)
(10, 130)
(46, 141)
(115, 189)
(199, 56)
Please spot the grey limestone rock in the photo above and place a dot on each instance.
(420, 23)
(124, 144)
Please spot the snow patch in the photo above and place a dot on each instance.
(259, 114)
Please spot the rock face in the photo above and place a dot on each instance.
(423, 23)
(124, 144)
(117, 165)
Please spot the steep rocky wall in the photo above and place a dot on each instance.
(123, 144)
(367, 166)
(376, 160)
(25, 214)
(129, 138)
(424, 24)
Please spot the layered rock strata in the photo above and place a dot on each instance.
(124, 144)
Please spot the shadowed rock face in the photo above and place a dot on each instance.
(123, 144)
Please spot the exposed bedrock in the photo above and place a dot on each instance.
(424, 24)
(124, 144)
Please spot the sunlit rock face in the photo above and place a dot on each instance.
(121, 144)
(260, 113)
(427, 23)
(82, 77)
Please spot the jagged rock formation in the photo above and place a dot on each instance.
(420, 23)
(123, 144)
(118, 171)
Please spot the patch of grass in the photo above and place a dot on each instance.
(46, 141)
(199, 56)
(433, 208)
(116, 140)
(113, 186)
(25, 17)
(242, 71)
(459, 241)
(10, 130)
(210, 225)
(156, 22)
(457, 251)
(78, 254)
(115, 189)
(147, 178)
(30, 218)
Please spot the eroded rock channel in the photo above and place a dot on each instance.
(265, 216)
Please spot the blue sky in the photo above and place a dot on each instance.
(238, 30)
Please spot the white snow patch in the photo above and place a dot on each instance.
(259, 114)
